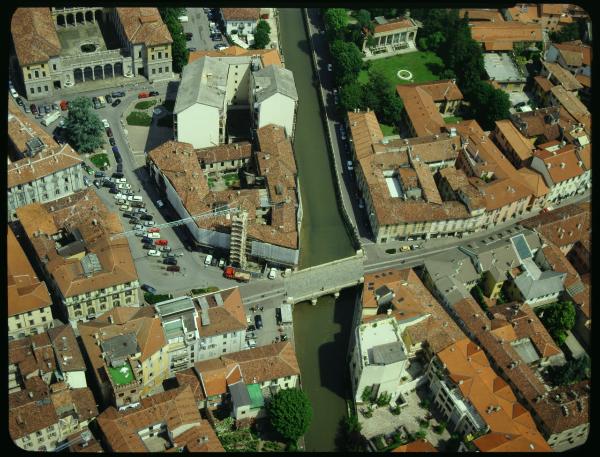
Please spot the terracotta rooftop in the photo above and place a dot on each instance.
(25, 291)
(564, 77)
(526, 13)
(241, 14)
(562, 164)
(534, 181)
(230, 317)
(201, 438)
(33, 355)
(544, 122)
(421, 109)
(469, 368)
(34, 35)
(267, 56)
(394, 24)
(562, 226)
(507, 31)
(584, 80)
(416, 446)
(365, 131)
(52, 158)
(143, 25)
(224, 152)
(66, 348)
(521, 145)
(573, 105)
(86, 213)
(543, 83)
(575, 53)
(551, 413)
(478, 14)
(175, 408)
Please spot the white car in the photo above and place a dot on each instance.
(13, 92)
(329, 67)
(221, 262)
(153, 235)
(120, 201)
(350, 165)
(119, 196)
(139, 232)
(105, 123)
(164, 249)
(125, 208)
(149, 223)
(159, 203)
(134, 198)
(138, 228)
(208, 259)
(272, 273)
(154, 253)
(119, 180)
(123, 186)
(361, 203)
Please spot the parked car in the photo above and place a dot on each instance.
(124, 186)
(113, 190)
(117, 102)
(140, 210)
(173, 268)
(146, 217)
(64, 105)
(154, 253)
(208, 259)
(154, 230)
(148, 246)
(115, 150)
(329, 67)
(118, 93)
(148, 288)
(109, 132)
(112, 141)
(350, 165)
(129, 215)
(19, 101)
(129, 193)
(143, 95)
(125, 208)
(170, 261)
(97, 183)
(258, 321)
(119, 168)
(118, 157)
(138, 227)
(146, 239)
(99, 174)
(153, 235)
(148, 223)
(134, 221)
(120, 202)
(221, 262)
(159, 203)
(34, 109)
(188, 36)
(154, 93)
(161, 242)
(164, 248)
(108, 98)
(118, 175)
(272, 273)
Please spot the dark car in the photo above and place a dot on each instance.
(129, 214)
(118, 157)
(117, 102)
(115, 149)
(148, 246)
(170, 261)
(108, 99)
(120, 168)
(214, 262)
(153, 93)
(118, 93)
(19, 101)
(97, 183)
(99, 174)
(188, 36)
(109, 132)
(134, 220)
(145, 239)
(33, 108)
(113, 190)
(148, 288)
(173, 268)
(258, 321)
(112, 141)
(108, 183)
(118, 175)
(251, 328)
(146, 217)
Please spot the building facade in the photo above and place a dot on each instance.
(391, 37)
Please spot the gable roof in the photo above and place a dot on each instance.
(34, 35)
(564, 77)
(421, 109)
(267, 56)
(144, 25)
(241, 14)
(272, 80)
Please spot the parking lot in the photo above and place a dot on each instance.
(198, 26)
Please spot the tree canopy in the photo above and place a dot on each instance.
(336, 20)
(559, 318)
(488, 104)
(573, 371)
(290, 412)
(261, 36)
(380, 96)
(84, 128)
(569, 32)
(179, 46)
(347, 61)
(349, 438)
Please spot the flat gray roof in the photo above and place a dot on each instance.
(239, 394)
(501, 68)
(386, 354)
(203, 81)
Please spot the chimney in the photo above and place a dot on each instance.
(562, 165)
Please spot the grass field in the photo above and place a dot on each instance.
(145, 104)
(99, 160)
(424, 66)
(388, 130)
(139, 118)
(453, 119)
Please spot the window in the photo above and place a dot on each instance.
(153, 70)
(38, 433)
(121, 394)
(166, 55)
(225, 350)
(18, 325)
(159, 55)
(140, 54)
(31, 322)
(37, 74)
(160, 70)
(224, 343)
(54, 66)
(39, 89)
(44, 74)
(28, 75)
(166, 69)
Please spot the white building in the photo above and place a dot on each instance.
(378, 359)
(275, 98)
(562, 171)
(240, 21)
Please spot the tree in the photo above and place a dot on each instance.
(261, 39)
(488, 104)
(380, 96)
(179, 46)
(367, 393)
(567, 32)
(84, 128)
(573, 371)
(263, 25)
(351, 96)
(336, 20)
(290, 412)
(558, 319)
(349, 438)
(363, 17)
(347, 61)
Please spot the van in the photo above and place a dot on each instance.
(50, 118)
(137, 198)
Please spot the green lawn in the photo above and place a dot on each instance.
(99, 160)
(388, 130)
(120, 378)
(424, 67)
(452, 119)
(139, 118)
(204, 290)
(145, 104)
(231, 179)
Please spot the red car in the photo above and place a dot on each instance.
(143, 95)
(161, 242)
(153, 230)
(64, 105)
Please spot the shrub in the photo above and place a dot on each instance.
(153, 299)
(395, 410)
(99, 160)
(145, 104)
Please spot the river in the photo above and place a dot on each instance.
(321, 331)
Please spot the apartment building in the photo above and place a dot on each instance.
(168, 421)
(559, 96)
(52, 356)
(517, 148)
(29, 303)
(88, 271)
(563, 420)
(39, 169)
(129, 354)
(240, 21)
(40, 418)
(50, 52)
(550, 16)
(476, 401)
(562, 171)
(391, 37)
(265, 222)
(243, 380)
(502, 36)
(215, 82)
(202, 327)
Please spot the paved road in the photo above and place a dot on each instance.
(198, 25)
